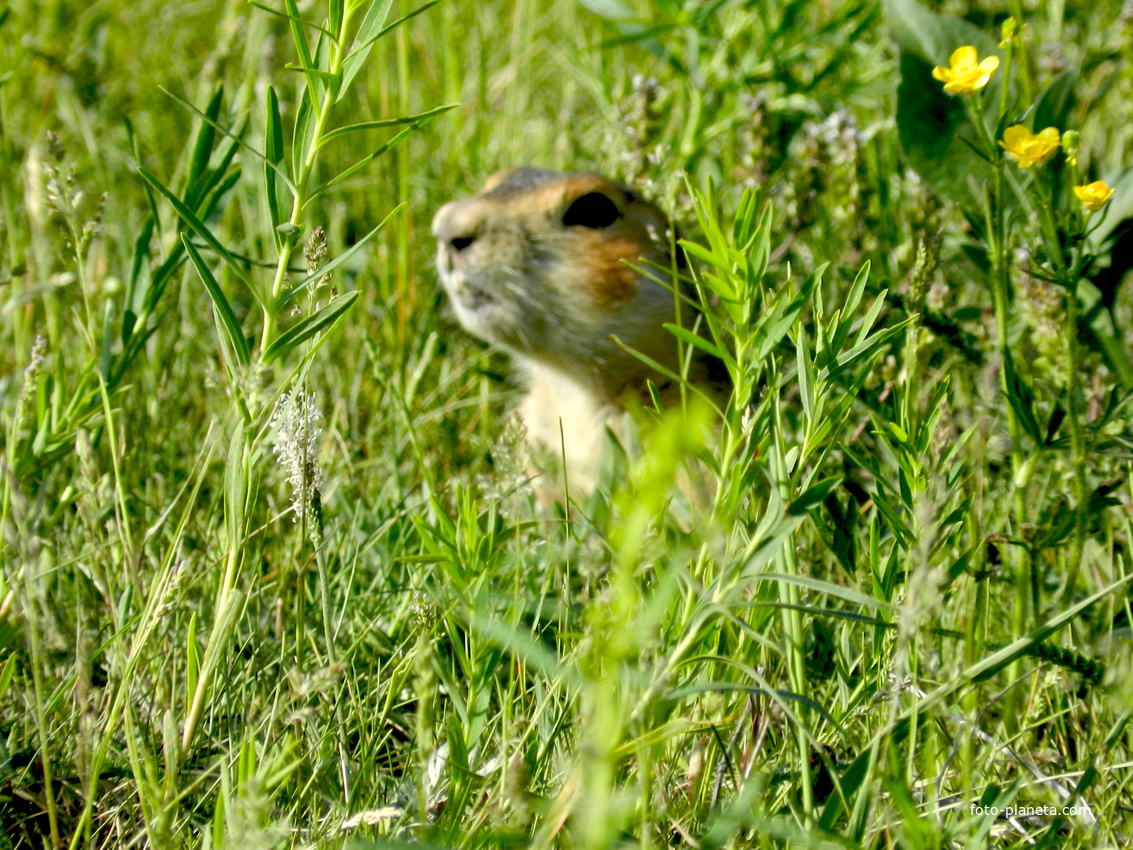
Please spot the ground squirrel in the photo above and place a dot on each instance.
(537, 264)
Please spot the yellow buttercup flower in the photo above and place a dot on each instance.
(965, 74)
(1028, 148)
(1094, 195)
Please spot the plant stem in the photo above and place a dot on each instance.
(1001, 278)
(792, 620)
(1077, 441)
(303, 178)
(1068, 278)
(40, 713)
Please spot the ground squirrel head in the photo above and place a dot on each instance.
(536, 263)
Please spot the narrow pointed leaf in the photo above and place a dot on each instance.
(697, 341)
(337, 261)
(229, 324)
(206, 135)
(297, 34)
(366, 160)
(234, 486)
(304, 133)
(386, 122)
(307, 328)
(332, 80)
(236, 137)
(273, 155)
(286, 17)
(198, 227)
(358, 55)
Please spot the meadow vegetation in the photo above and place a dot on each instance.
(273, 570)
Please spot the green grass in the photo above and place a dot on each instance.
(907, 594)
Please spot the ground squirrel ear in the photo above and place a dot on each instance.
(498, 178)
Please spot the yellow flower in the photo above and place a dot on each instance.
(1094, 195)
(965, 75)
(1028, 148)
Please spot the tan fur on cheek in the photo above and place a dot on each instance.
(609, 280)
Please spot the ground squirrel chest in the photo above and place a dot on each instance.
(538, 263)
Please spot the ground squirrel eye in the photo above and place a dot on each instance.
(593, 210)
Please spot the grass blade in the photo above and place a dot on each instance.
(229, 324)
(386, 122)
(304, 330)
(198, 227)
(234, 136)
(273, 156)
(337, 261)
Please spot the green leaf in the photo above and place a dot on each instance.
(932, 126)
(337, 261)
(141, 279)
(813, 496)
(297, 35)
(273, 132)
(934, 133)
(307, 328)
(332, 80)
(697, 341)
(984, 670)
(829, 589)
(192, 656)
(208, 207)
(758, 249)
(850, 307)
(869, 346)
(236, 137)
(202, 147)
(648, 361)
(197, 227)
(358, 55)
(303, 135)
(779, 315)
(1054, 105)
(387, 122)
(273, 156)
(366, 160)
(235, 490)
(163, 275)
(703, 254)
(743, 227)
(229, 325)
(302, 23)
(931, 37)
(1021, 398)
(805, 375)
(367, 33)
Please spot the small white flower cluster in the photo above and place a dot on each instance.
(297, 424)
